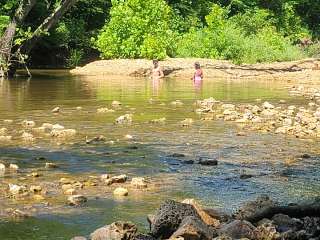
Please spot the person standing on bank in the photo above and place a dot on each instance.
(157, 72)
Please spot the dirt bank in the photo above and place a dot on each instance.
(307, 69)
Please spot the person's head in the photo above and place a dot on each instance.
(197, 65)
(155, 63)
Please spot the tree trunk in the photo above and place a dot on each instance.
(46, 25)
(6, 41)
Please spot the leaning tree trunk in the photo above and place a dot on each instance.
(6, 41)
(47, 24)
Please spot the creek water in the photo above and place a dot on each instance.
(265, 156)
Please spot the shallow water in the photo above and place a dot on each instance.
(263, 155)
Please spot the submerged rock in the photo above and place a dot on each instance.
(115, 231)
(139, 183)
(124, 119)
(77, 200)
(208, 161)
(51, 165)
(120, 191)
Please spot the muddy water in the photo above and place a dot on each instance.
(273, 160)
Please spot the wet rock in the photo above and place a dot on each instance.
(64, 133)
(169, 217)
(16, 189)
(208, 161)
(97, 139)
(205, 217)
(124, 119)
(115, 231)
(176, 155)
(28, 124)
(2, 167)
(51, 165)
(187, 122)
(108, 182)
(187, 162)
(143, 237)
(285, 223)
(119, 179)
(35, 189)
(139, 183)
(103, 177)
(191, 228)
(35, 174)
(245, 176)
(70, 191)
(105, 110)
(28, 137)
(77, 200)
(267, 105)
(120, 191)
(116, 103)
(250, 208)
(56, 110)
(306, 155)
(217, 214)
(238, 229)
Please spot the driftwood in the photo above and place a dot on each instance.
(296, 211)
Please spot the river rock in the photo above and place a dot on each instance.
(77, 200)
(267, 105)
(103, 177)
(191, 228)
(16, 189)
(28, 137)
(206, 218)
(50, 165)
(65, 187)
(48, 126)
(139, 182)
(116, 103)
(57, 127)
(251, 207)
(119, 179)
(176, 103)
(35, 189)
(2, 167)
(55, 110)
(65, 133)
(169, 217)
(208, 161)
(105, 110)
(238, 229)
(124, 119)
(115, 231)
(28, 124)
(70, 191)
(65, 181)
(120, 191)
(97, 139)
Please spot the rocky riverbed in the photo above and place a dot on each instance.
(260, 219)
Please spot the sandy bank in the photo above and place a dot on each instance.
(178, 67)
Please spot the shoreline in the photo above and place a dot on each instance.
(306, 69)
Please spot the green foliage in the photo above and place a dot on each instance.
(137, 28)
(242, 38)
(4, 21)
(75, 57)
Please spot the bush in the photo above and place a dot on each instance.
(245, 38)
(137, 28)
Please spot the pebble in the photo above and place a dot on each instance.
(120, 191)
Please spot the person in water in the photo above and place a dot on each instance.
(198, 74)
(157, 70)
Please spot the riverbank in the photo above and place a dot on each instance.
(178, 67)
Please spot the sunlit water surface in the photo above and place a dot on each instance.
(263, 155)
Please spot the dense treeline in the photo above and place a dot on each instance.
(240, 30)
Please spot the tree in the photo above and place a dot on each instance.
(14, 54)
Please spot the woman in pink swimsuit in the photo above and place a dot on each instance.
(198, 74)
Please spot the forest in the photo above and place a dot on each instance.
(71, 33)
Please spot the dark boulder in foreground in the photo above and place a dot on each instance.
(169, 217)
(208, 161)
(192, 228)
(238, 229)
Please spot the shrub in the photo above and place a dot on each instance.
(137, 28)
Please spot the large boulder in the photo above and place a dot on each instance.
(115, 231)
(169, 217)
(192, 228)
(238, 229)
(285, 223)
